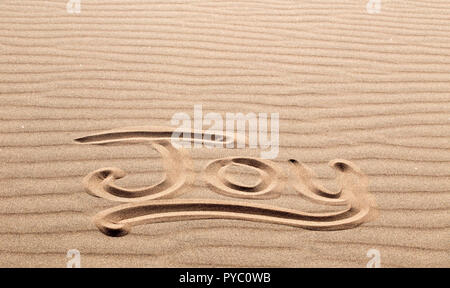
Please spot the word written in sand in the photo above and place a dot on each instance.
(154, 204)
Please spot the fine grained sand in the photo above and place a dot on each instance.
(146, 206)
(373, 89)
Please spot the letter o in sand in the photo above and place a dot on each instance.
(269, 186)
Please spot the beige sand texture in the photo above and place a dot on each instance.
(146, 206)
(373, 89)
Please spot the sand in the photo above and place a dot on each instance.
(371, 90)
(146, 206)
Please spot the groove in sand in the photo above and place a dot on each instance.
(147, 207)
